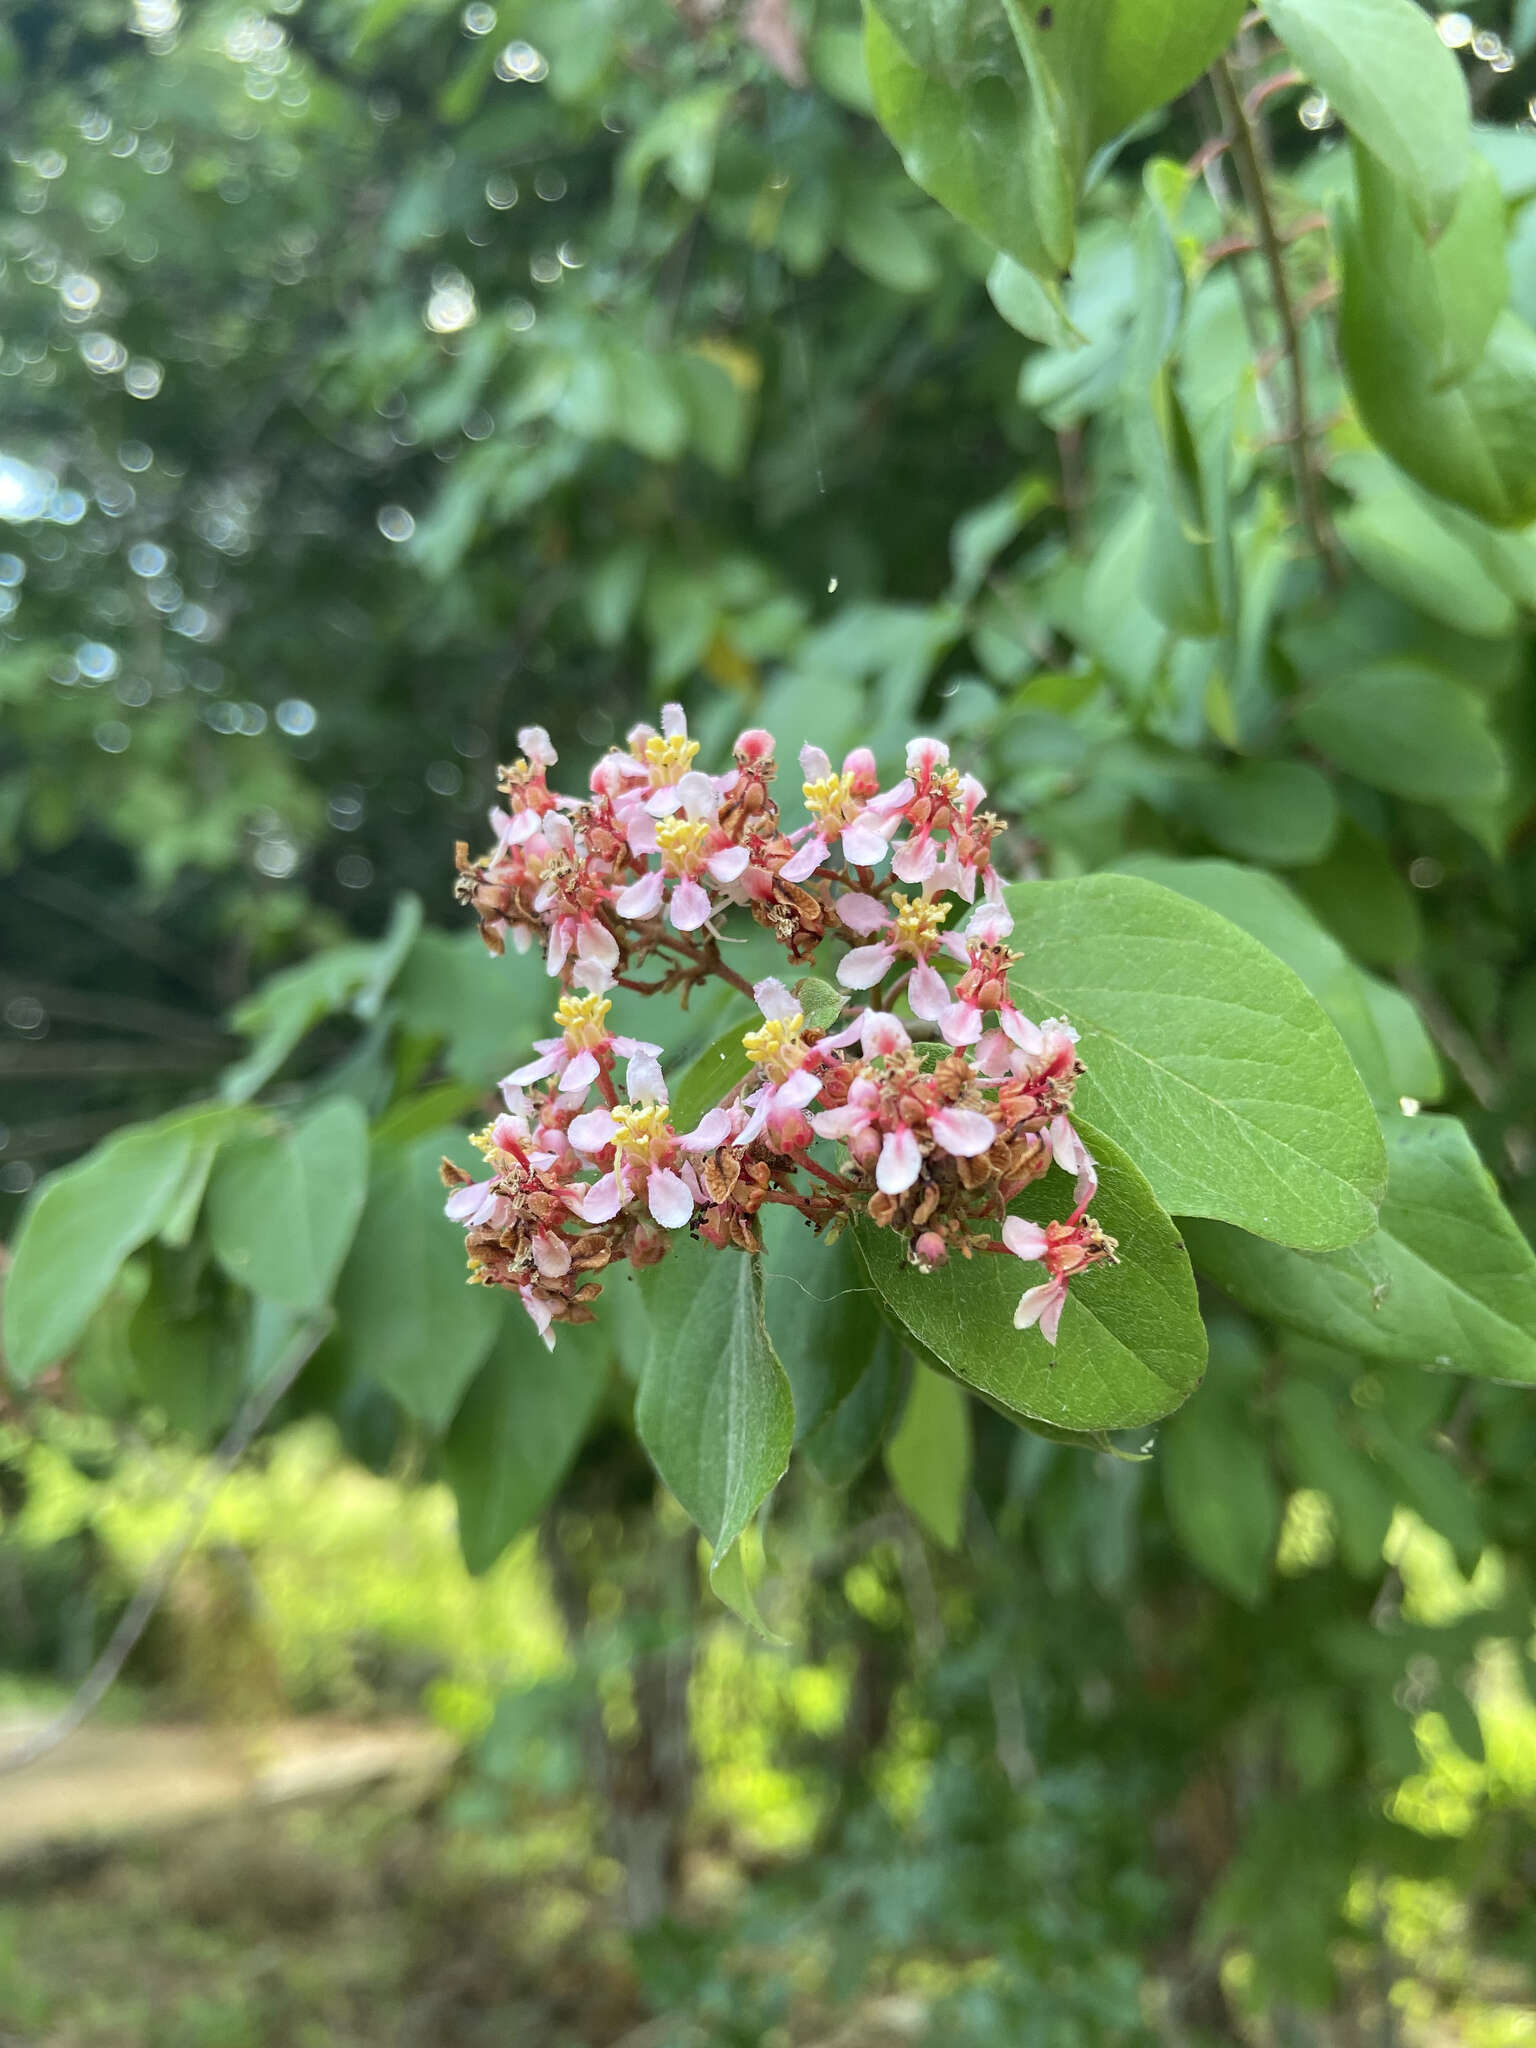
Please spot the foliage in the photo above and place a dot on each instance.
(1170, 462)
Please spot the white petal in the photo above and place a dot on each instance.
(729, 864)
(895, 799)
(689, 907)
(714, 1131)
(644, 1080)
(1025, 1035)
(964, 1133)
(641, 899)
(590, 1133)
(990, 925)
(661, 803)
(543, 1315)
(926, 753)
(805, 863)
(668, 1198)
(900, 1162)
(536, 1070)
(1024, 1239)
(960, 1024)
(774, 999)
(603, 1200)
(814, 764)
(463, 1202)
(864, 843)
(862, 914)
(595, 942)
(802, 1087)
(674, 721)
(559, 945)
(579, 1075)
(697, 794)
(1041, 1305)
(915, 860)
(883, 1034)
(927, 992)
(865, 965)
(551, 1254)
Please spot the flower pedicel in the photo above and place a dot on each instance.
(935, 1123)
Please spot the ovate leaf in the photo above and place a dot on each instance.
(518, 1428)
(1447, 1281)
(1408, 730)
(282, 1208)
(1221, 1495)
(714, 1409)
(406, 1316)
(77, 1232)
(1206, 1058)
(823, 1317)
(1131, 1346)
(1394, 84)
(929, 1456)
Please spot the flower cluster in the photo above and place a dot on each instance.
(926, 1111)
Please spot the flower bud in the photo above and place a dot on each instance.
(929, 1251)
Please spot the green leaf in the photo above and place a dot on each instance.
(482, 1011)
(1282, 813)
(1460, 425)
(1377, 1023)
(406, 1316)
(1206, 1058)
(842, 1444)
(282, 1208)
(714, 1409)
(354, 978)
(823, 1320)
(188, 1341)
(711, 1077)
(1359, 894)
(1321, 1454)
(1221, 1494)
(518, 1428)
(1034, 305)
(734, 1580)
(1410, 552)
(929, 1455)
(1131, 1346)
(1404, 728)
(1396, 86)
(78, 1230)
(1447, 1280)
(821, 1004)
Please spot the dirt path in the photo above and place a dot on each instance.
(105, 1785)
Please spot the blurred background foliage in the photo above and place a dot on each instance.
(378, 375)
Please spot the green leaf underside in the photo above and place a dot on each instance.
(1447, 1281)
(929, 1455)
(714, 1409)
(1131, 1345)
(1206, 1058)
(1222, 1498)
(407, 1317)
(1394, 84)
(81, 1226)
(712, 1075)
(282, 1208)
(518, 1428)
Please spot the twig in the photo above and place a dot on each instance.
(136, 1617)
(1250, 175)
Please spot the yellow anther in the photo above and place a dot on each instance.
(669, 759)
(642, 1127)
(681, 839)
(581, 1018)
(829, 799)
(776, 1045)
(919, 920)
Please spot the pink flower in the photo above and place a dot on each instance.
(912, 926)
(1064, 1249)
(933, 798)
(779, 1051)
(578, 1054)
(663, 759)
(983, 988)
(839, 808)
(690, 846)
(642, 1143)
